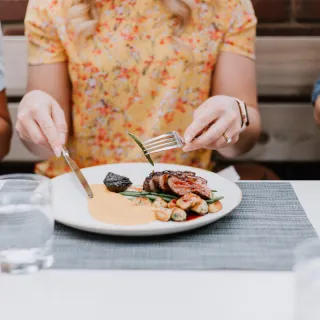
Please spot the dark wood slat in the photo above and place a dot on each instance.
(12, 10)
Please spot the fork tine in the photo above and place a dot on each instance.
(172, 143)
(166, 135)
(148, 145)
(178, 137)
(163, 149)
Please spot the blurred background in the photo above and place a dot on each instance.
(288, 64)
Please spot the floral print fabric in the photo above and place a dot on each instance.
(133, 75)
(2, 84)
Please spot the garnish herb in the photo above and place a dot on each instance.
(165, 197)
(139, 143)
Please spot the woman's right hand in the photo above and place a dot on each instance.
(41, 121)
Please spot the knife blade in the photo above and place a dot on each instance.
(77, 171)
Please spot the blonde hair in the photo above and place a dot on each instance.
(83, 16)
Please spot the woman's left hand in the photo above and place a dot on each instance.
(215, 121)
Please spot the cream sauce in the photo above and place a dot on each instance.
(113, 208)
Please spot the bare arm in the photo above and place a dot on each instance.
(235, 76)
(45, 81)
(218, 119)
(5, 126)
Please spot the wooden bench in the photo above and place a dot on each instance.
(287, 68)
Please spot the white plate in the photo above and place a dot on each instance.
(70, 200)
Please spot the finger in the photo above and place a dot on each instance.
(23, 125)
(23, 134)
(199, 124)
(222, 142)
(210, 136)
(50, 131)
(59, 120)
(30, 131)
(232, 132)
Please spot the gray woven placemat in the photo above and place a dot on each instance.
(259, 235)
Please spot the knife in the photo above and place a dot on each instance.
(77, 171)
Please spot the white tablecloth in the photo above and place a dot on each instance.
(222, 295)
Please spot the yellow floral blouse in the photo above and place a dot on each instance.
(132, 76)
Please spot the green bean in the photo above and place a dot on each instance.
(134, 193)
(164, 195)
(145, 193)
(213, 200)
(139, 143)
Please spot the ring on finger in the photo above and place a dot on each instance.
(228, 140)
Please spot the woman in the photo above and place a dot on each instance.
(316, 101)
(5, 124)
(99, 69)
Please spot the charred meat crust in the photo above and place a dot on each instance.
(146, 186)
(154, 182)
(177, 182)
(116, 183)
(182, 186)
(163, 181)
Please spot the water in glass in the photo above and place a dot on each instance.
(26, 223)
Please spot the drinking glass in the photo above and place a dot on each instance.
(26, 223)
(307, 272)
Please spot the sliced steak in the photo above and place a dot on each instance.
(177, 182)
(146, 184)
(198, 180)
(154, 182)
(202, 191)
(179, 186)
(163, 182)
(182, 186)
(151, 183)
(187, 173)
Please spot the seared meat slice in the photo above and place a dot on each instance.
(154, 182)
(163, 181)
(179, 185)
(146, 184)
(202, 181)
(185, 173)
(149, 184)
(177, 182)
(198, 180)
(183, 186)
(202, 191)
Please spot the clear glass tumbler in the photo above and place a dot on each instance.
(26, 223)
(307, 272)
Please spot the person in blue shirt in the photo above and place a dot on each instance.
(5, 123)
(316, 101)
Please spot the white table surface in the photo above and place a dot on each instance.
(222, 295)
